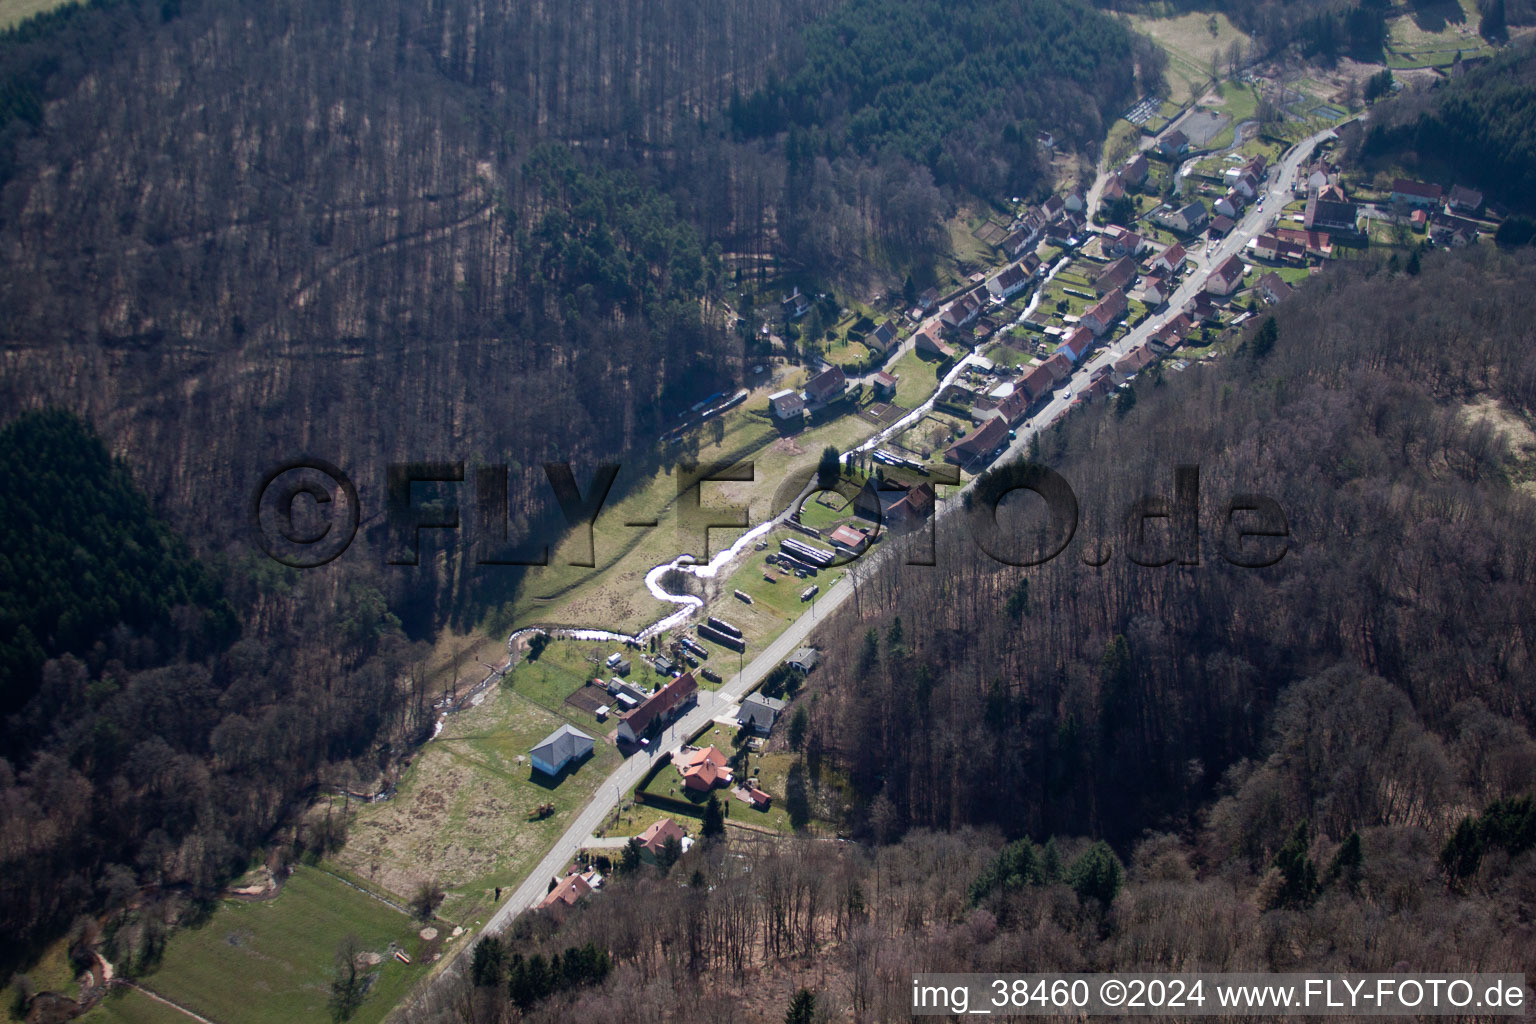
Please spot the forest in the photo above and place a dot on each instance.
(959, 89)
(177, 722)
(385, 232)
(1096, 765)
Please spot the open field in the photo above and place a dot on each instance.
(1191, 46)
(13, 12)
(130, 1006)
(462, 812)
(272, 960)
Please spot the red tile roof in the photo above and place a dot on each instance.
(655, 837)
(661, 703)
(570, 889)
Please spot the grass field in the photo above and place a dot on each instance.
(1191, 46)
(274, 960)
(130, 1006)
(13, 12)
(462, 812)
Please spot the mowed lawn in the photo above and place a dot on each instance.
(273, 961)
(465, 812)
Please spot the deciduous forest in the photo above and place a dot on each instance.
(381, 232)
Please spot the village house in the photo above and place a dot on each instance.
(1315, 243)
(927, 299)
(654, 839)
(560, 748)
(930, 346)
(1118, 274)
(1019, 241)
(1246, 186)
(1122, 242)
(1135, 170)
(1225, 279)
(1273, 288)
(703, 770)
(804, 660)
(1272, 247)
(1172, 334)
(1188, 219)
(1173, 144)
(1012, 408)
(881, 338)
(1074, 202)
(795, 305)
(1114, 188)
(1157, 288)
(912, 508)
(1314, 177)
(1202, 308)
(1134, 361)
(658, 709)
(1008, 283)
(759, 713)
(1416, 193)
(961, 312)
(1221, 226)
(570, 890)
(1058, 366)
(1231, 204)
(884, 385)
(1105, 312)
(1076, 344)
(980, 445)
(1466, 201)
(787, 404)
(1037, 384)
(825, 386)
(1053, 208)
(1170, 259)
(1451, 231)
(1330, 215)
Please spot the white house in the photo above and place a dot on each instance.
(560, 748)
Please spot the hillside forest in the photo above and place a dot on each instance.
(386, 232)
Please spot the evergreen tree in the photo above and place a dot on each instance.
(796, 800)
(1265, 337)
(798, 723)
(1298, 875)
(629, 858)
(486, 966)
(829, 469)
(714, 818)
(802, 1008)
(1345, 866)
(1097, 875)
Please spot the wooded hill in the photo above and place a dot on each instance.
(1323, 764)
(374, 232)
(385, 232)
(156, 747)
